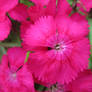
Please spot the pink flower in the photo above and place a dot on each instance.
(85, 4)
(5, 25)
(60, 47)
(82, 84)
(14, 75)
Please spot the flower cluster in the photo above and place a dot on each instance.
(55, 34)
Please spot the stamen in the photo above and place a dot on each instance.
(57, 47)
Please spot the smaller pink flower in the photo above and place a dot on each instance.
(14, 75)
(85, 5)
(5, 24)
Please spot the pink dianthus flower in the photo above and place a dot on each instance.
(14, 76)
(60, 47)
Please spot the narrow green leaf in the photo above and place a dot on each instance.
(27, 56)
(2, 51)
(26, 2)
(70, 1)
(90, 35)
(90, 38)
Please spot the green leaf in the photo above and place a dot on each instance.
(2, 51)
(90, 37)
(70, 1)
(27, 56)
(26, 2)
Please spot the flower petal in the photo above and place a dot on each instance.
(5, 27)
(7, 5)
(19, 13)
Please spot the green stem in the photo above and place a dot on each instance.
(5, 44)
(3, 50)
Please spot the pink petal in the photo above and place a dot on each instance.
(76, 26)
(16, 56)
(41, 29)
(38, 10)
(51, 8)
(2, 16)
(86, 4)
(83, 83)
(25, 77)
(19, 13)
(35, 12)
(5, 27)
(23, 28)
(63, 7)
(7, 5)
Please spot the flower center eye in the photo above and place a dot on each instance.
(57, 47)
(14, 75)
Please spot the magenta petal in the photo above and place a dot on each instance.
(16, 56)
(5, 27)
(63, 7)
(23, 28)
(39, 10)
(19, 13)
(35, 12)
(36, 34)
(85, 5)
(25, 77)
(51, 8)
(76, 26)
(83, 83)
(6, 5)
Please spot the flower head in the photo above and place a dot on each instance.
(14, 75)
(85, 5)
(60, 50)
